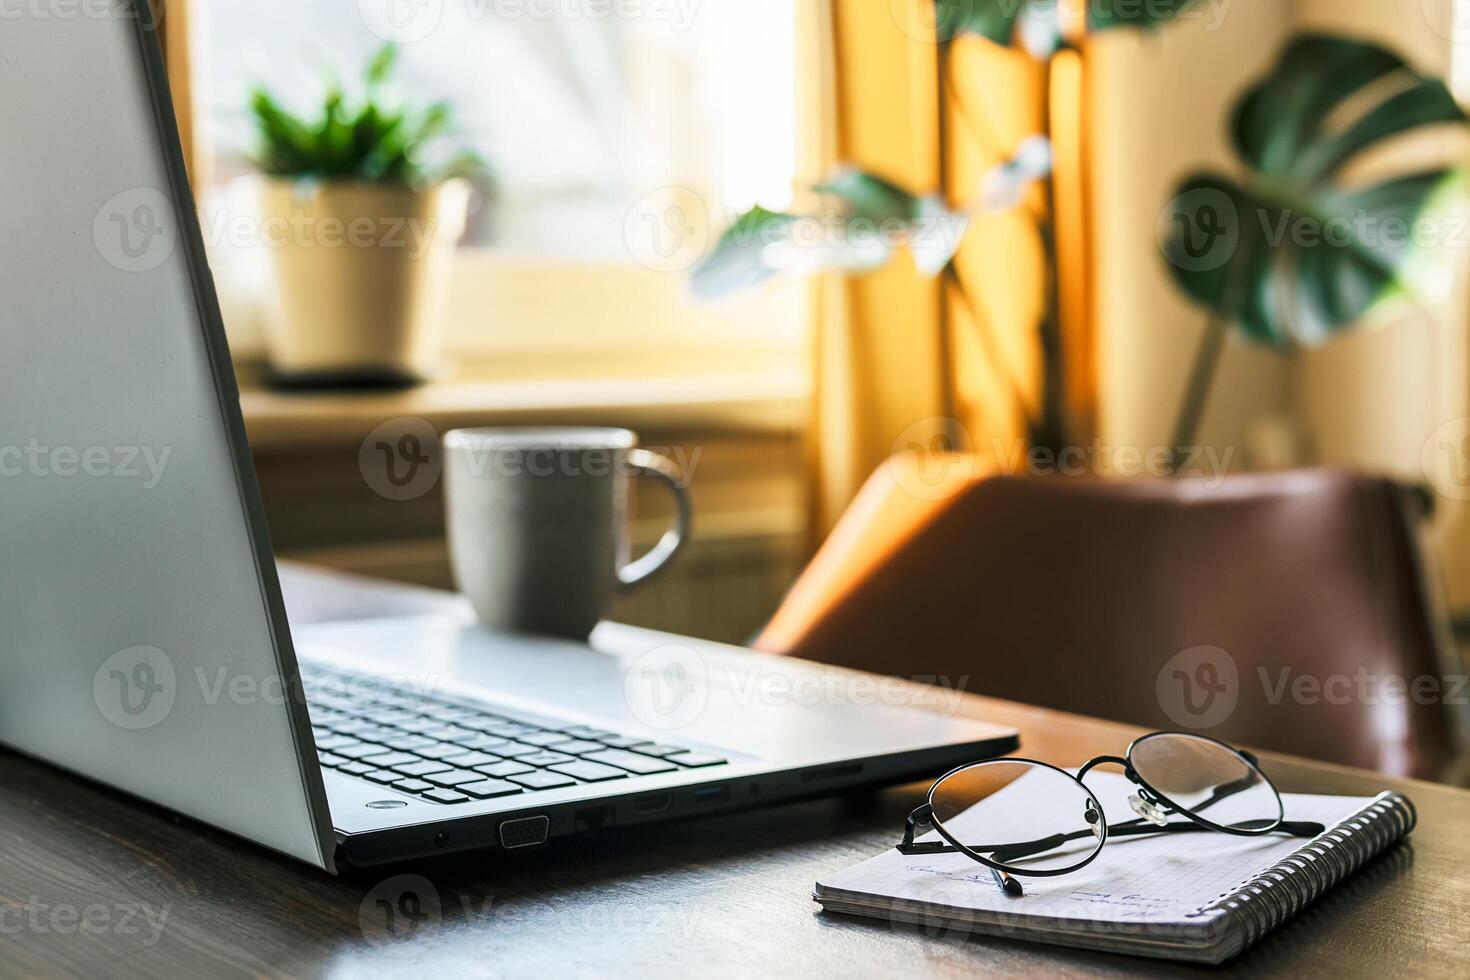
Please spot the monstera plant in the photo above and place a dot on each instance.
(1289, 253)
(861, 221)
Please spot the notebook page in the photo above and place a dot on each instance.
(1160, 878)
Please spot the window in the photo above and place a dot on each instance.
(582, 107)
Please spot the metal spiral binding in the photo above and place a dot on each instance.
(1278, 893)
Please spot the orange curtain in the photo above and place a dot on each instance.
(904, 360)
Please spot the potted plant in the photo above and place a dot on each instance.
(361, 223)
(1289, 254)
(1291, 251)
(865, 221)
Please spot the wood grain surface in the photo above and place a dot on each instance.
(93, 883)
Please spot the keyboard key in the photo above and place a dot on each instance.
(624, 742)
(355, 768)
(446, 796)
(453, 777)
(449, 733)
(543, 780)
(503, 769)
(514, 750)
(409, 743)
(694, 760)
(544, 759)
(542, 738)
(643, 765)
(412, 785)
(511, 730)
(332, 741)
(471, 760)
(592, 772)
(489, 788)
(481, 723)
(388, 759)
(585, 731)
(439, 750)
(383, 776)
(662, 751)
(359, 750)
(328, 759)
(576, 746)
(485, 743)
(455, 716)
(423, 767)
(378, 733)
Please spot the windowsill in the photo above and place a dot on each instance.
(765, 402)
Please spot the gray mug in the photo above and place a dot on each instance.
(538, 523)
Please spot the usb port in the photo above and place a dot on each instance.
(656, 803)
(705, 795)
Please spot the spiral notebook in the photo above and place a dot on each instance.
(1202, 897)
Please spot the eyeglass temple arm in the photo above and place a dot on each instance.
(1005, 853)
(1130, 828)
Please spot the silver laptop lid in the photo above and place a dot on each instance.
(142, 637)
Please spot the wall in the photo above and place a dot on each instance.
(1160, 105)
(1373, 398)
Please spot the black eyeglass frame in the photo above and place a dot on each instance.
(924, 813)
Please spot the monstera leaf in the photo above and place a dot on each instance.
(1036, 24)
(1287, 254)
(864, 221)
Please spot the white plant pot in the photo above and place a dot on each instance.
(361, 274)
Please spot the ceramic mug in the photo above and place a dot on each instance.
(538, 523)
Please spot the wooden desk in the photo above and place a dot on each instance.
(80, 865)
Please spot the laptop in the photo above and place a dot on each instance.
(143, 638)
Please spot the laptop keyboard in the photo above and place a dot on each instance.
(449, 753)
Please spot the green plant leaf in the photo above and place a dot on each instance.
(1106, 16)
(997, 20)
(1285, 254)
(994, 20)
(382, 65)
(355, 139)
(737, 261)
(871, 198)
(1281, 125)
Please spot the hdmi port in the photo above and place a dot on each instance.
(657, 803)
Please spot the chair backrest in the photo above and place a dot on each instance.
(1286, 611)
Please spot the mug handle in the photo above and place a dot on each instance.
(635, 573)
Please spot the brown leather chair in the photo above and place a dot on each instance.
(1286, 611)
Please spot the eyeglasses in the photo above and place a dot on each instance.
(1057, 826)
